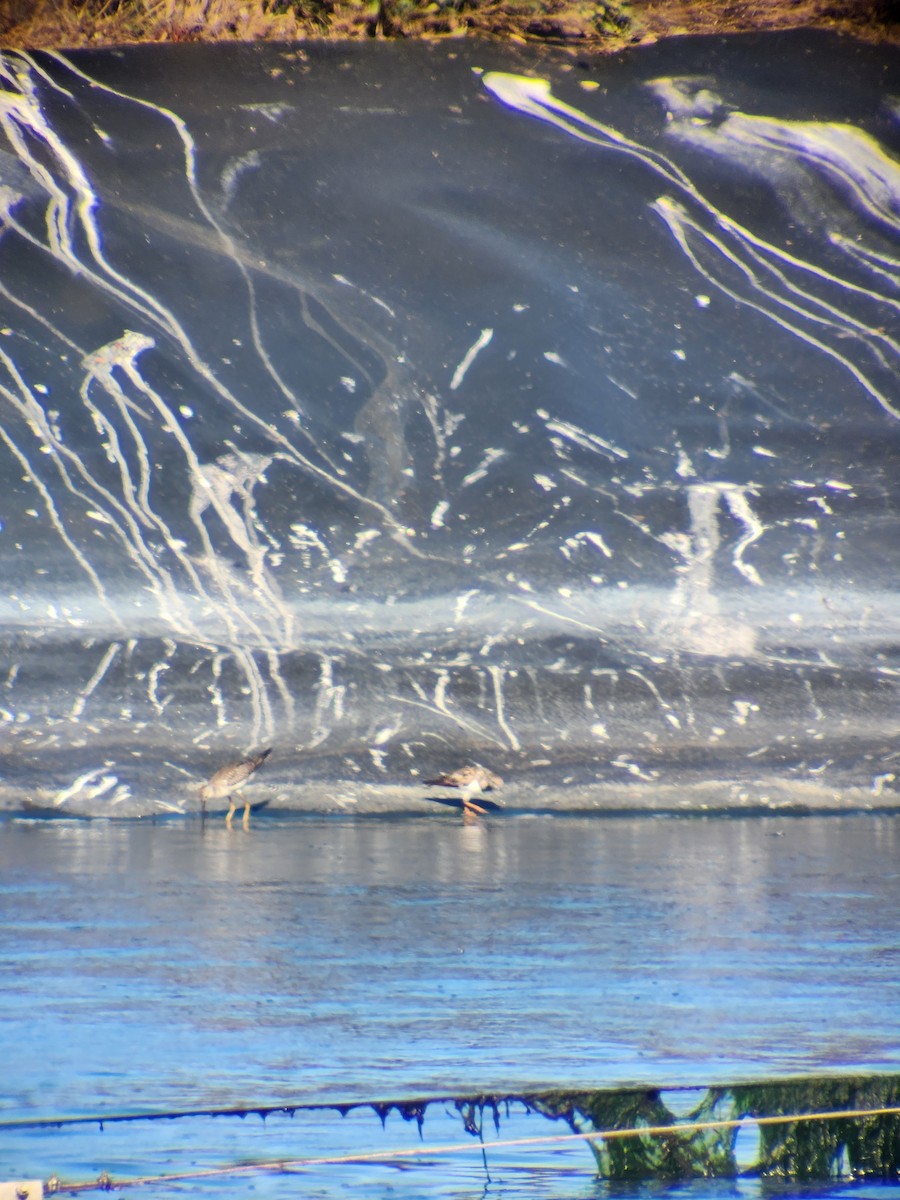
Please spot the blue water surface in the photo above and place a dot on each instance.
(181, 965)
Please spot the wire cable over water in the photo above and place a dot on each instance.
(286, 1166)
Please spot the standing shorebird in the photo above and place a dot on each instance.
(230, 779)
(471, 781)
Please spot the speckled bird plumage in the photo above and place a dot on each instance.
(232, 778)
(471, 781)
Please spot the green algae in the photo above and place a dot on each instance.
(811, 1147)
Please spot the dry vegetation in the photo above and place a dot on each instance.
(599, 24)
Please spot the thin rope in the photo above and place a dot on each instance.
(294, 1164)
(176, 1114)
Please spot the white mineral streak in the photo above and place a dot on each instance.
(696, 623)
(440, 511)
(592, 538)
(123, 406)
(483, 339)
(489, 457)
(755, 273)
(103, 666)
(329, 702)
(462, 602)
(497, 675)
(91, 786)
(587, 441)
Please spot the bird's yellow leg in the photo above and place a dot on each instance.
(230, 812)
(469, 807)
(247, 815)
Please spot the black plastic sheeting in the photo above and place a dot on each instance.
(400, 406)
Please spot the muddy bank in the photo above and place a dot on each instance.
(604, 27)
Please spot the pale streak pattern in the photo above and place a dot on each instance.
(439, 707)
(587, 440)
(696, 624)
(26, 111)
(31, 118)
(328, 696)
(872, 185)
(497, 674)
(50, 506)
(154, 676)
(225, 486)
(468, 358)
(682, 226)
(54, 447)
(216, 603)
(175, 329)
(82, 699)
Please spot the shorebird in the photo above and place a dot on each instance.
(231, 779)
(471, 781)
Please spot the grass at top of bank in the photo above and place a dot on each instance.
(598, 25)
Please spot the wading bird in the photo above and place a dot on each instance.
(230, 779)
(471, 781)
